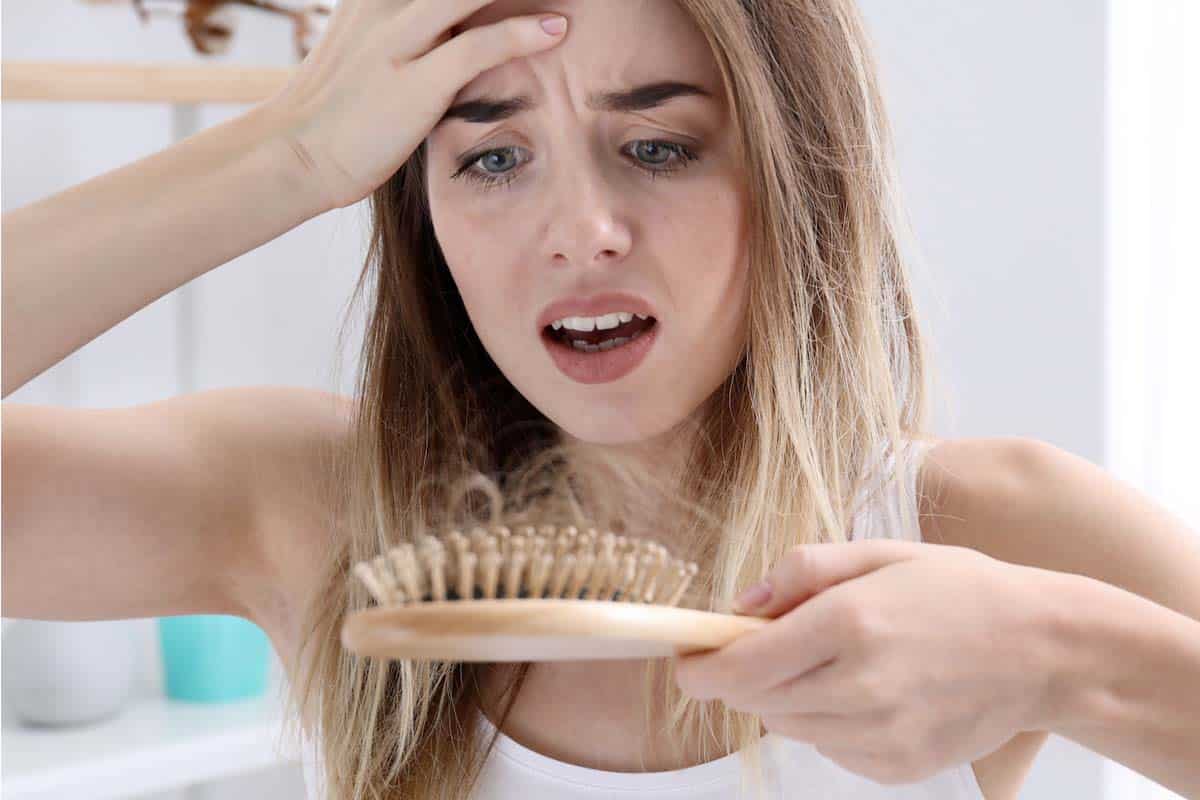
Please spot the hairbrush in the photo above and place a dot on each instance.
(544, 593)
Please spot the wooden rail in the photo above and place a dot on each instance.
(139, 83)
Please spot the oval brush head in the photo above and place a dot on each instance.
(544, 593)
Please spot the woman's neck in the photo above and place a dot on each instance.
(654, 470)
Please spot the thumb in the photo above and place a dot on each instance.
(808, 569)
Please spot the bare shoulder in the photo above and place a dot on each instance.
(292, 437)
(1029, 502)
(973, 488)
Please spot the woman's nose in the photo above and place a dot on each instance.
(586, 224)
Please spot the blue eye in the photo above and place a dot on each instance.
(489, 160)
(496, 166)
(652, 148)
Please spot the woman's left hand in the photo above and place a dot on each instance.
(896, 659)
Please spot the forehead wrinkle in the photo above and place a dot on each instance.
(655, 39)
(635, 97)
(575, 78)
(649, 42)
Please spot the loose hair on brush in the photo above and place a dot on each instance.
(803, 432)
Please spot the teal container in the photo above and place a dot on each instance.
(213, 658)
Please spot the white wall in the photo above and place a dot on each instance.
(1153, 342)
(998, 108)
(999, 116)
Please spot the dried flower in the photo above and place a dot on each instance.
(210, 24)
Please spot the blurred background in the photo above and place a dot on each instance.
(1047, 157)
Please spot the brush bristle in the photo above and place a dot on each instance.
(543, 562)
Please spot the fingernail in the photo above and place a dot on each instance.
(554, 25)
(753, 597)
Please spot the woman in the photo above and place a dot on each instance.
(713, 177)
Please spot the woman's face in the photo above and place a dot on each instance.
(579, 190)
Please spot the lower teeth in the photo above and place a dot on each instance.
(608, 344)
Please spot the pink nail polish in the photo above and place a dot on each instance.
(753, 597)
(554, 25)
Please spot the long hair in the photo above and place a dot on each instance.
(828, 389)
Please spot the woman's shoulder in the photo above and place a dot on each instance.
(300, 430)
(294, 436)
(985, 493)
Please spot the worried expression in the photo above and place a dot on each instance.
(590, 207)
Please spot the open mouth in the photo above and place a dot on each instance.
(596, 341)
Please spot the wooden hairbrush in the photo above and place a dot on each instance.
(548, 593)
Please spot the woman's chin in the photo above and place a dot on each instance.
(615, 431)
(607, 436)
(601, 429)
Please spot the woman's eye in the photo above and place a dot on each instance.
(655, 152)
(652, 152)
(497, 167)
(496, 161)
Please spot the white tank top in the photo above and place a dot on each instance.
(790, 766)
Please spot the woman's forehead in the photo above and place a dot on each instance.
(590, 10)
(610, 44)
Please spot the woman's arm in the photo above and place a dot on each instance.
(1128, 678)
(202, 503)
(1126, 623)
(80, 261)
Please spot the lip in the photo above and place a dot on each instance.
(594, 306)
(602, 367)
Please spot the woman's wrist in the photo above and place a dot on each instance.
(1080, 641)
(273, 149)
(1110, 647)
(1123, 679)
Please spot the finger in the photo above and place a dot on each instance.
(455, 63)
(353, 17)
(803, 639)
(327, 53)
(411, 27)
(810, 569)
(425, 24)
(348, 25)
(827, 689)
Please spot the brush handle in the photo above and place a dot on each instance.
(538, 630)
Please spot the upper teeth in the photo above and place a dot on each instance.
(595, 323)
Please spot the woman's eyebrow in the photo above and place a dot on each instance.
(493, 109)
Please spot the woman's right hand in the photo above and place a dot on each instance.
(380, 78)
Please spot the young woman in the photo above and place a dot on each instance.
(714, 177)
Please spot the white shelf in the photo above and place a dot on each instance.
(153, 745)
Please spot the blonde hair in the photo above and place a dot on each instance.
(829, 387)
